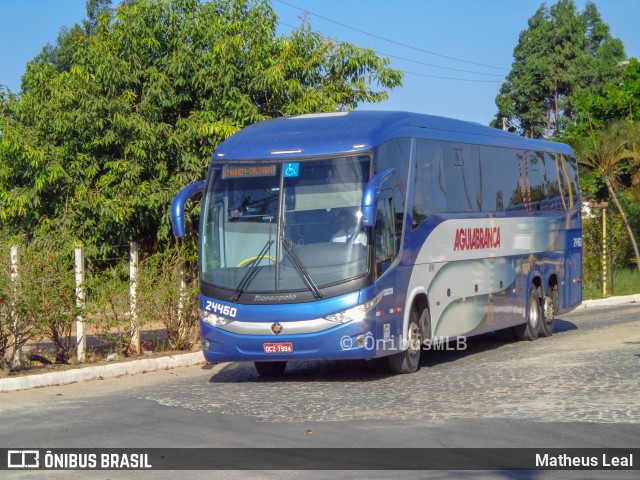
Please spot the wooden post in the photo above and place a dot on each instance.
(133, 285)
(81, 337)
(182, 290)
(604, 252)
(16, 360)
(611, 275)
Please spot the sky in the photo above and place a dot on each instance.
(455, 53)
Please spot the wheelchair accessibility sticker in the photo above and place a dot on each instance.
(291, 169)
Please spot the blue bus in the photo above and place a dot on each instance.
(367, 234)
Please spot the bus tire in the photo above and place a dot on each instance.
(549, 307)
(270, 369)
(408, 361)
(531, 329)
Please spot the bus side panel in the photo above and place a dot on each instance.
(483, 268)
(391, 311)
(573, 273)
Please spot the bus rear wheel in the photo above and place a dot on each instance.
(531, 329)
(408, 361)
(549, 308)
(270, 369)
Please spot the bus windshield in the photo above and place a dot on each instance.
(284, 226)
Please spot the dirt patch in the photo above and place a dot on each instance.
(153, 340)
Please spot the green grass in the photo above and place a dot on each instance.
(625, 282)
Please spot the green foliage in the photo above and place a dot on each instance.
(620, 256)
(40, 302)
(623, 282)
(626, 282)
(120, 115)
(60, 55)
(109, 316)
(620, 100)
(609, 153)
(160, 298)
(560, 53)
(618, 244)
(617, 108)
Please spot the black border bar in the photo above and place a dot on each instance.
(320, 459)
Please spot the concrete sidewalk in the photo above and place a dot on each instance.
(99, 372)
(163, 363)
(611, 301)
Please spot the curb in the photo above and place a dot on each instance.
(611, 301)
(183, 360)
(102, 371)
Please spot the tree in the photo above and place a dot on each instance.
(60, 55)
(99, 147)
(561, 52)
(94, 9)
(620, 100)
(607, 151)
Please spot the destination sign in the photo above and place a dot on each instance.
(241, 171)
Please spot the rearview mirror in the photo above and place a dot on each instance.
(177, 206)
(370, 197)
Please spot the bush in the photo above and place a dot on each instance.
(160, 298)
(110, 318)
(620, 251)
(40, 303)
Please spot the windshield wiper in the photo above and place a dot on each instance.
(301, 269)
(249, 274)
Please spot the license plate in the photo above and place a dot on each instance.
(278, 347)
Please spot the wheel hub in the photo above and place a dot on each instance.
(548, 309)
(534, 314)
(414, 339)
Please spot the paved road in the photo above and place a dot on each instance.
(579, 388)
(588, 371)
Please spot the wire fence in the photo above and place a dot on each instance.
(40, 298)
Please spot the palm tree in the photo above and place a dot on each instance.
(610, 151)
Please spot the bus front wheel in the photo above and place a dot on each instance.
(531, 329)
(270, 369)
(408, 360)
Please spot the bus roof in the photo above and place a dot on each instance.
(343, 132)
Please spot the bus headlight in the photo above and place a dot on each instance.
(354, 314)
(213, 319)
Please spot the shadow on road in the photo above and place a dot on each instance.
(563, 326)
(370, 370)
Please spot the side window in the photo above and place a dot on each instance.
(462, 177)
(491, 178)
(572, 168)
(386, 236)
(211, 239)
(556, 200)
(429, 193)
(536, 179)
(515, 187)
(565, 184)
(395, 154)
